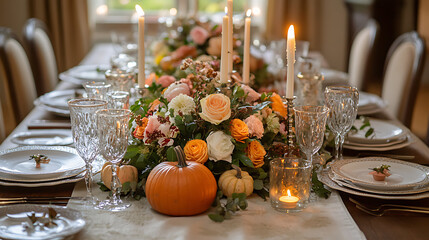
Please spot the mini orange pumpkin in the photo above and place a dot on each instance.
(126, 173)
(180, 188)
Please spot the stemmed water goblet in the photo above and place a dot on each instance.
(84, 130)
(310, 123)
(113, 132)
(343, 105)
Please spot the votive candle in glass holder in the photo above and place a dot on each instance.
(290, 182)
(96, 89)
(118, 100)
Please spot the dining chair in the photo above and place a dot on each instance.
(18, 74)
(361, 55)
(402, 75)
(41, 54)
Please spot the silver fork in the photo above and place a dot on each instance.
(382, 212)
(387, 205)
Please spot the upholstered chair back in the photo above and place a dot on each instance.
(18, 71)
(41, 55)
(360, 55)
(402, 75)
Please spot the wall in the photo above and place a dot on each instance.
(14, 14)
(333, 37)
(422, 28)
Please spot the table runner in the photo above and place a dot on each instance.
(323, 219)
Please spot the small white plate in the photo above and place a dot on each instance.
(384, 132)
(68, 223)
(56, 101)
(324, 178)
(405, 175)
(388, 144)
(44, 138)
(15, 162)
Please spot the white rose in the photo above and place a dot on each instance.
(220, 146)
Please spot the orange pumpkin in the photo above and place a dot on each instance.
(126, 173)
(180, 188)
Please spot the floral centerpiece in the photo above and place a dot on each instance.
(201, 41)
(217, 125)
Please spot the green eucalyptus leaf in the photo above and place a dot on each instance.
(216, 217)
(258, 184)
(171, 155)
(369, 132)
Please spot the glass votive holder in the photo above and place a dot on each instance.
(118, 100)
(96, 89)
(121, 79)
(290, 182)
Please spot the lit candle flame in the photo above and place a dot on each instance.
(291, 32)
(288, 193)
(256, 11)
(249, 12)
(173, 11)
(226, 10)
(139, 10)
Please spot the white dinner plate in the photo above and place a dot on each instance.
(405, 175)
(388, 144)
(69, 222)
(370, 103)
(370, 147)
(73, 179)
(349, 184)
(49, 137)
(56, 101)
(324, 178)
(16, 162)
(384, 132)
(83, 73)
(334, 78)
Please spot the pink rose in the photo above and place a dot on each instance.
(186, 81)
(175, 89)
(183, 52)
(199, 35)
(166, 80)
(215, 46)
(252, 94)
(163, 132)
(256, 128)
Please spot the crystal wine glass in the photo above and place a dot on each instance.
(113, 132)
(96, 89)
(343, 105)
(310, 123)
(84, 130)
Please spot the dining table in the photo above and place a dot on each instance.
(395, 225)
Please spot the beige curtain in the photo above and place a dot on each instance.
(303, 14)
(67, 21)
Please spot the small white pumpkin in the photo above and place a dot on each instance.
(235, 181)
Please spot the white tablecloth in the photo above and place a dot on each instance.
(323, 219)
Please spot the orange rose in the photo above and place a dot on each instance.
(216, 108)
(196, 150)
(139, 131)
(277, 105)
(154, 105)
(239, 130)
(256, 152)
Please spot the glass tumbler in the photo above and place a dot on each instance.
(85, 137)
(97, 89)
(343, 105)
(290, 182)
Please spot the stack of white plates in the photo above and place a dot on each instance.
(16, 168)
(56, 101)
(387, 136)
(48, 137)
(408, 180)
(370, 103)
(83, 73)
